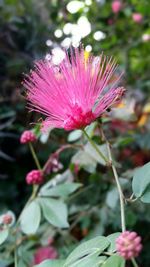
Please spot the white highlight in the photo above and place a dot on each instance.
(67, 28)
(99, 35)
(88, 2)
(49, 42)
(74, 6)
(57, 55)
(88, 48)
(58, 33)
(84, 26)
(66, 42)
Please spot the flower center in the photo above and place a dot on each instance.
(78, 119)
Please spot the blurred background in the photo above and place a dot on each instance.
(35, 29)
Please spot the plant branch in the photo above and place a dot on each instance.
(121, 196)
(15, 257)
(34, 156)
(58, 151)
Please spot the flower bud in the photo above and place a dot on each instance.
(128, 245)
(35, 177)
(27, 136)
(7, 219)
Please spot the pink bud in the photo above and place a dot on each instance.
(35, 177)
(128, 245)
(116, 6)
(137, 17)
(27, 136)
(7, 219)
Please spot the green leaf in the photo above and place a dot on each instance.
(3, 235)
(30, 218)
(51, 263)
(93, 246)
(62, 190)
(21, 263)
(141, 183)
(112, 198)
(114, 261)
(6, 262)
(55, 212)
(84, 159)
(74, 135)
(91, 151)
(112, 239)
(89, 158)
(63, 177)
(91, 260)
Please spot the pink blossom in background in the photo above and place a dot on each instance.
(75, 93)
(116, 6)
(137, 17)
(128, 245)
(45, 253)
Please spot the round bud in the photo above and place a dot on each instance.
(35, 177)
(128, 245)
(27, 136)
(7, 219)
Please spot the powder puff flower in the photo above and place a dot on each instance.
(116, 6)
(75, 93)
(128, 245)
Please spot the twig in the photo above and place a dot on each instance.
(121, 196)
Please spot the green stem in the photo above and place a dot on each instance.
(121, 197)
(35, 156)
(134, 262)
(95, 147)
(33, 195)
(110, 163)
(15, 258)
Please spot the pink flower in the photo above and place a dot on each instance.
(75, 93)
(35, 177)
(137, 17)
(128, 245)
(27, 136)
(116, 6)
(45, 253)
